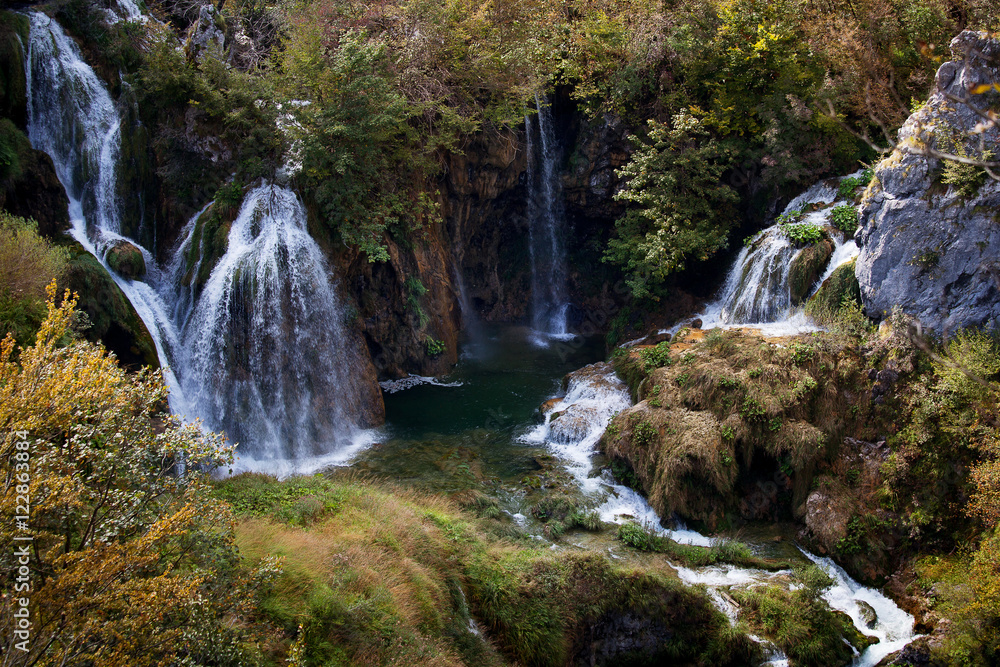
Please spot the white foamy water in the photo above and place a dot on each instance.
(411, 381)
(756, 293)
(262, 352)
(593, 397)
(893, 627)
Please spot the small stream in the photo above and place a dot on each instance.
(481, 428)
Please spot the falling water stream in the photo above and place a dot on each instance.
(756, 292)
(261, 352)
(546, 227)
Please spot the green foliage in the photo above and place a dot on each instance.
(680, 211)
(656, 356)
(360, 154)
(28, 262)
(801, 233)
(561, 514)
(644, 433)
(414, 291)
(845, 218)
(966, 179)
(644, 537)
(298, 501)
(848, 186)
(799, 623)
(434, 347)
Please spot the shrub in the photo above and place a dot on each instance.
(801, 233)
(848, 185)
(656, 356)
(845, 218)
(434, 347)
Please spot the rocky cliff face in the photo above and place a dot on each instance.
(930, 228)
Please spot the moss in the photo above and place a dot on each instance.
(809, 632)
(387, 576)
(13, 87)
(747, 410)
(806, 269)
(840, 288)
(113, 320)
(553, 610)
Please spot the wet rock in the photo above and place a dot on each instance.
(696, 323)
(806, 269)
(927, 246)
(655, 338)
(573, 424)
(548, 405)
(840, 286)
(868, 614)
(826, 517)
(126, 260)
(29, 186)
(915, 654)
(113, 320)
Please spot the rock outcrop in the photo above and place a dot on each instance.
(930, 228)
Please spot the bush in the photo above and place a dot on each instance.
(801, 233)
(845, 218)
(848, 185)
(656, 356)
(680, 210)
(28, 262)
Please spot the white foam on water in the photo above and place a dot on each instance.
(411, 381)
(893, 627)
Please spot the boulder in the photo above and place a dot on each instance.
(126, 260)
(806, 269)
(931, 246)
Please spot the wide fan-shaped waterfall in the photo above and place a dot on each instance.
(546, 223)
(262, 352)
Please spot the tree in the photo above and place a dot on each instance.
(127, 559)
(681, 210)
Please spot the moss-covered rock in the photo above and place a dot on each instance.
(13, 88)
(806, 269)
(113, 320)
(29, 187)
(840, 286)
(126, 260)
(733, 427)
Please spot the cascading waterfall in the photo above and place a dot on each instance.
(261, 352)
(546, 223)
(571, 430)
(756, 290)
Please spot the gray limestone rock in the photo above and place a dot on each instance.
(930, 247)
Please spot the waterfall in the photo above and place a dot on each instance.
(756, 291)
(546, 226)
(262, 352)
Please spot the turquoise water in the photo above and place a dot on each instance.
(456, 437)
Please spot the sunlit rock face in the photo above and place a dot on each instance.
(930, 246)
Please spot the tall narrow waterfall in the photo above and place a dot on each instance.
(262, 352)
(546, 225)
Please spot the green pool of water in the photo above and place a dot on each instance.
(450, 438)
